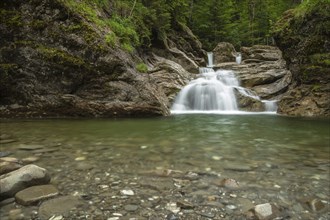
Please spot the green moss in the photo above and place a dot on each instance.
(316, 88)
(111, 39)
(11, 18)
(141, 67)
(320, 59)
(38, 24)
(59, 56)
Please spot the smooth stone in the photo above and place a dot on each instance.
(58, 206)
(227, 183)
(316, 205)
(10, 159)
(7, 167)
(7, 141)
(84, 166)
(7, 201)
(29, 160)
(263, 210)
(30, 147)
(5, 153)
(131, 208)
(127, 192)
(206, 214)
(22, 178)
(33, 194)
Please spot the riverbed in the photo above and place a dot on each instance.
(176, 167)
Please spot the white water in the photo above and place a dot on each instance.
(210, 59)
(238, 58)
(214, 93)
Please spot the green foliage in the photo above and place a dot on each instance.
(141, 67)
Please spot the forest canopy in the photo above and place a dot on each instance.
(137, 23)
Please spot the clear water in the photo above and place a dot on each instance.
(238, 138)
(282, 159)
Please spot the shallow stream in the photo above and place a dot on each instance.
(280, 160)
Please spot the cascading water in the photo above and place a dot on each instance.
(214, 91)
(210, 59)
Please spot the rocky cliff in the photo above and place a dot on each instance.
(303, 36)
(262, 70)
(55, 62)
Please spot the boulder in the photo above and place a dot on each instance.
(224, 52)
(169, 76)
(22, 178)
(265, 78)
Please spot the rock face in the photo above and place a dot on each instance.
(55, 62)
(303, 36)
(263, 71)
(224, 52)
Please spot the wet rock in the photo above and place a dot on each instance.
(265, 211)
(185, 204)
(29, 160)
(17, 180)
(172, 206)
(131, 208)
(227, 183)
(127, 192)
(5, 153)
(224, 52)
(316, 205)
(58, 206)
(206, 214)
(31, 147)
(16, 214)
(6, 167)
(7, 141)
(7, 201)
(35, 194)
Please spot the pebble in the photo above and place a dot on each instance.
(263, 210)
(30, 147)
(172, 206)
(127, 192)
(131, 208)
(316, 205)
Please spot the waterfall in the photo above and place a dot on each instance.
(214, 91)
(210, 59)
(238, 58)
(270, 105)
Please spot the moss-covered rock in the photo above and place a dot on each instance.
(303, 36)
(61, 60)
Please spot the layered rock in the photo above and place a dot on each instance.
(263, 71)
(55, 62)
(303, 36)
